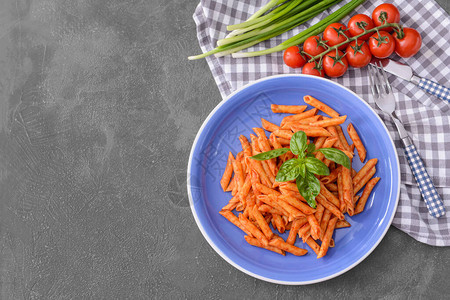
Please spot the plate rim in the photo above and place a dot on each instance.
(219, 251)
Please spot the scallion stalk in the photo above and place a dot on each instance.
(319, 7)
(265, 8)
(265, 24)
(260, 39)
(277, 21)
(244, 44)
(245, 29)
(278, 12)
(302, 36)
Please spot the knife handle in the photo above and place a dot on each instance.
(434, 88)
(426, 187)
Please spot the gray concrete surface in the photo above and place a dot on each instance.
(99, 107)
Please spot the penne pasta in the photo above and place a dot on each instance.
(261, 200)
(315, 227)
(332, 187)
(287, 247)
(294, 212)
(262, 223)
(333, 209)
(364, 180)
(342, 224)
(288, 109)
(357, 142)
(347, 190)
(342, 140)
(283, 134)
(312, 131)
(319, 212)
(329, 122)
(246, 147)
(255, 242)
(328, 195)
(321, 106)
(231, 185)
(268, 125)
(233, 219)
(279, 224)
(305, 121)
(327, 237)
(365, 195)
(297, 117)
(313, 245)
(294, 202)
(253, 230)
(226, 177)
(324, 222)
(239, 174)
(364, 170)
(231, 204)
(296, 224)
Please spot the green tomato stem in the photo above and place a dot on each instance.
(353, 38)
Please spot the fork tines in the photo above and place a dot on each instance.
(379, 83)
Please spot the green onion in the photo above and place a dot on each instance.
(245, 44)
(268, 15)
(231, 48)
(302, 36)
(276, 12)
(291, 18)
(294, 20)
(264, 9)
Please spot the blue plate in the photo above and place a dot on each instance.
(237, 115)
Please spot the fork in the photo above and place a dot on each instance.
(385, 100)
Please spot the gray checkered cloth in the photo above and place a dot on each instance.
(425, 117)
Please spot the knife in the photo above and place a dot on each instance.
(405, 72)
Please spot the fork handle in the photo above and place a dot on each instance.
(426, 187)
(432, 87)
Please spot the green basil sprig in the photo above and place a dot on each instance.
(270, 154)
(303, 168)
(316, 166)
(299, 143)
(336, 155)
(309, 188)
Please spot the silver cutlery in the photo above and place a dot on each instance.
(385, 100)
(405, 72)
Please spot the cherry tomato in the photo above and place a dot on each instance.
(383, 46)
(311, 46)
(358, 21)
(410, 44)
(390, 13)
(309, 69)
(335, 65)
(358, 55)
(335, 34)
(293, 57)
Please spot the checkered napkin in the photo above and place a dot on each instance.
(426, 118)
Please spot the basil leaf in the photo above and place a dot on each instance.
(314, 183)
(289, 170)
(316, 166)
(302, 170)
(336, 155)
(309, 188)
(311, 148)
(270, 154)
(298, 143)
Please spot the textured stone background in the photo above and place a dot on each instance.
(98, 110)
